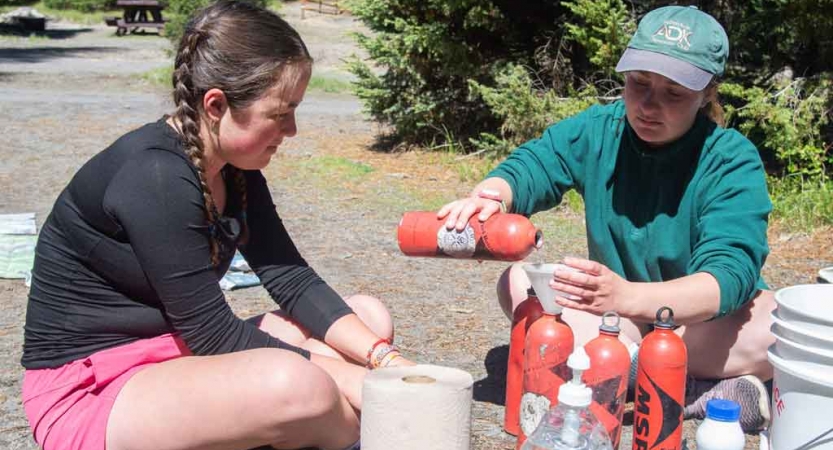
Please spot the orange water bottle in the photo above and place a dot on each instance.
(610, 365)
(501, 237)
(660, 387)
(527, 312)
(549, 342)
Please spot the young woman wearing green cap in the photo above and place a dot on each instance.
(676, 211)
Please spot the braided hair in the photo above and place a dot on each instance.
(242, 50)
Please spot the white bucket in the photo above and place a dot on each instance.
(800, 335)
(801, 406)
(807, 306)
(826, 275)
(815, 361)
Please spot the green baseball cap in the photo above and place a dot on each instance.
(679, 42)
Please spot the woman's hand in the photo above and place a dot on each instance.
(486, 199)
(596, 289)
(458, 212)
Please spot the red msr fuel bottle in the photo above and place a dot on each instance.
(610, 365)
(527, 312)
(502, 237)
(549, 342)
(660, 387)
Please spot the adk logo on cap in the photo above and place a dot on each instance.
(678, 42)
(674, 33)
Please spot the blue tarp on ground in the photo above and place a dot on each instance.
(18, 236)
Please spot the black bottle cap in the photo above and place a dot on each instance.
(668, 322)
(610, 328)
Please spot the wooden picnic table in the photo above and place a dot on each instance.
(321, 6)
(137, 14)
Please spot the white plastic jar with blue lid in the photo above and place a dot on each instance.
(721, 429)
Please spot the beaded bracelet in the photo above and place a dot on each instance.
(372, 349)
(389, 358)
(378, 358)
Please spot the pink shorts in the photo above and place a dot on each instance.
(68, 406)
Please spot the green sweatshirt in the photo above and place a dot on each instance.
(699, 204)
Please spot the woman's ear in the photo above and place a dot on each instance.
(214, 104)
(710, 95)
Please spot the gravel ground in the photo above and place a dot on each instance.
(64, 98)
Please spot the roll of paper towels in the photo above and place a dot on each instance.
(421, 407)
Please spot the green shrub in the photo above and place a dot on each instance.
(802, 203)
(424, 52)
(598, 35)
(602, 29)
(4, 4)
(788, 122)
(429, 56)
(525, 110)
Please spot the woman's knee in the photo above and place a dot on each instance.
(307, 400)
(735, 344)
(373, 313)
(511, 288)
(756, 336)
(297, 388)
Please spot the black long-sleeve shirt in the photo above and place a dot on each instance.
(125, 255)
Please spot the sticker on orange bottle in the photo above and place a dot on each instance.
(457, 244)
(657, 416)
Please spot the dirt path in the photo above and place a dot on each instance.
(64, 99)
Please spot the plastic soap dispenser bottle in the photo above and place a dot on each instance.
(721, 429)
(571, 425)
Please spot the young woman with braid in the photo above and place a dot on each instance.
(129, 342)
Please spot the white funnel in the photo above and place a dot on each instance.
(540, 276)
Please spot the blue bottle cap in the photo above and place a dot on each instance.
(723, 410)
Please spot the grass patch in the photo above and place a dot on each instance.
(802, 204)
(37, 38)
(162, 77)
(329, 84)
(400, 198)
(337, 167)
(159, 77)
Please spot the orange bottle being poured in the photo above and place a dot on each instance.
(502, 237)
(660, 387)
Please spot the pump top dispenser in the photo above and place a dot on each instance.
(571, 425)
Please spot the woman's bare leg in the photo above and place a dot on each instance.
(733, 345)
(233, 401)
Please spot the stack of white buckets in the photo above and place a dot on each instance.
(802, 358)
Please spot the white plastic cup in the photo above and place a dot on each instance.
(801, 405)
